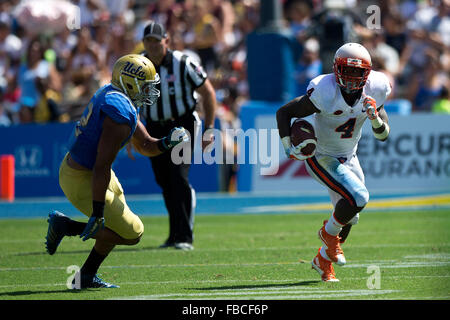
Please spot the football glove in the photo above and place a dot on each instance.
(93, 226)
(370, 107)
(177, 135)
(295, 152)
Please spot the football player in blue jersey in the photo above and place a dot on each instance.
(108, 123)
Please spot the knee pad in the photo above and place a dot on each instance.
(361, 197)
(130, 229)
(138, 228)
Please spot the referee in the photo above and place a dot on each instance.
(182, 79)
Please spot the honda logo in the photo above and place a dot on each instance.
(28, 156)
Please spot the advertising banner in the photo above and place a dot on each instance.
(415, 158)
(38, 151)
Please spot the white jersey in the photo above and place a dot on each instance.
(337, 125)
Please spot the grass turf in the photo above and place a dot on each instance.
(240, 257)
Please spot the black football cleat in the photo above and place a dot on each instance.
(57, 228)
(89, 281)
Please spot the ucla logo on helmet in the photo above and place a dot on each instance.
(131, 71)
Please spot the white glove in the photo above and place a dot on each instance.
(295, 152)
(177, 135)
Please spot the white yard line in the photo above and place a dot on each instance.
(299, 247)
(427, 260)
(223, 281)
(268, 294)
(387, 265)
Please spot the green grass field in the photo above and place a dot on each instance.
(240, 257)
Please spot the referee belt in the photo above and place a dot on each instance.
(171, 120)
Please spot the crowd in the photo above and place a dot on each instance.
(48, 75)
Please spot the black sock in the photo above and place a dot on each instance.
(75, 228)
(92, 263)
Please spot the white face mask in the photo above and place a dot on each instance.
(148, 94)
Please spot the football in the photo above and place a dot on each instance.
(302, 130)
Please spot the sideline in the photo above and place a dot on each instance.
(239, 203)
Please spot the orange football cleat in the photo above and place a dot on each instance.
(324, 268)
(332, 246)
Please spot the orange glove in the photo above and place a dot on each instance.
(370, 106)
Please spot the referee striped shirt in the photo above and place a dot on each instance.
(180, 75)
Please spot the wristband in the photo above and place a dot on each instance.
(162, 145)
(97, 208)
(286, 141)
(377, 122)
(382, 132)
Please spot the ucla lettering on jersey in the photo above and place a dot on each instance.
(107, 101)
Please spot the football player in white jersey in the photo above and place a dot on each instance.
(340, 102)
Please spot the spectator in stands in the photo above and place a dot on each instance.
(35, 76)
(88, 10)
(223, 11)
(333, 26)
(395, 32)
(63, 43)
(428, 28)
(4, 117)
(10, 51)
(166, 12)
(308, 67)
(409, 27)
(9, 101)
(228, 115)
(379, 64)
(298, 14)
(116, 45)
(425, 88)
(442, 104)
(120, 9)
(440, 25)
(84, 59)
(377, 45)
(82, 74)
(205, 34)
(103, 32)
(10, 44)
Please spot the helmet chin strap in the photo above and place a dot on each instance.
(348, 90)
(137, 85)
(122, 85)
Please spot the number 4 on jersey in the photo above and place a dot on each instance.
(347, 128)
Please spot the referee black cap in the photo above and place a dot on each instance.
(155, 30)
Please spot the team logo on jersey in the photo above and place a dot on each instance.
(131, 71)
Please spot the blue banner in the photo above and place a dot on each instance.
(39, 149)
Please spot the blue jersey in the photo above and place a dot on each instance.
(107, 101)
